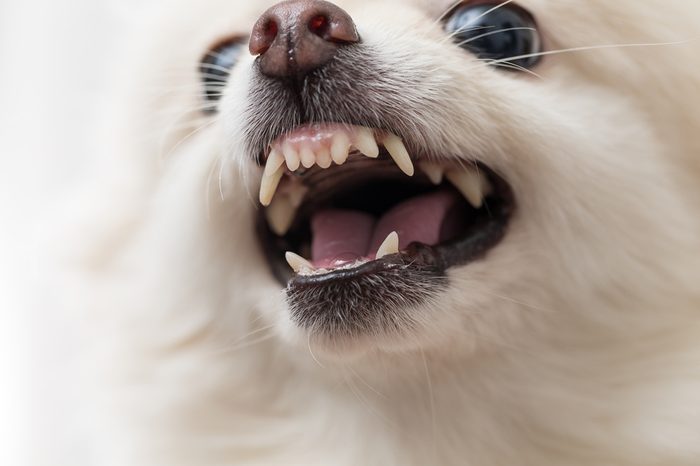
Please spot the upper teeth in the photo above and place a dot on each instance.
(434, 172)
(291, 156)
(471, 184)
(283, 208)
(365, 142)
(323, 150)
(271, 177)
(308, 158)
(394, 145)
(340, 148)
(333, 145)
(468, 181)
(280, 215)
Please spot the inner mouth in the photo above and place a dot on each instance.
(346, 204)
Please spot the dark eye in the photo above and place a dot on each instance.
(493, 31)
(215, 68)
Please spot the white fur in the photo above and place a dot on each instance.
(575, 342)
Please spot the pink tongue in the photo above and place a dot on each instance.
(418, 219)
(341, 236)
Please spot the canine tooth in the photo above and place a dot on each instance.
(269, 184)
(469, 183)
(298, 263)
(307, 156)
(365, 143)
(434, 172)
(323, 158)
(389, 246)
(394, 145)
(274, 161)
(291, 156)
(280, 214)
(296, 193)
(340, 147)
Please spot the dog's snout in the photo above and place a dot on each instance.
(295, 37)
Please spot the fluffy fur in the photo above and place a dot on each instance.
(576, 341)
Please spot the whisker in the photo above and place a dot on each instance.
(242, 343)
(187, 137)
(520, 303)
(583, 49)
(364, 382)
(497, 7)
(515, 301)
(178, 121)
(183, 86)
(312, 353)
(431, 396)
(447, 11)
(365, 403)
(513, 66)
(221, 179)
(207, 191)
(195, 110)
(242, 175)
(194, 70)
(490, 33)
(487, 12)
(247, 344)
(459, 31)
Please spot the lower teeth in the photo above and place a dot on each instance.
(389, 246)
(302, 266)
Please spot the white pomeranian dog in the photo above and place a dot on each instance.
(400, 233)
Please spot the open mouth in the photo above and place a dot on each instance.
(338, 198)
(349, 215)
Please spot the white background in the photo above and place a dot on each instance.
(54, 57)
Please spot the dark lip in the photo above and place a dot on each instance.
(487, 229)
(416, 255)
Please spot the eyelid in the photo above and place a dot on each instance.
(215, 68)
(241, 39)
(457, 5)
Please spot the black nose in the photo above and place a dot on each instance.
(295, 37)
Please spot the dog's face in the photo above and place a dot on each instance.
(425, 174)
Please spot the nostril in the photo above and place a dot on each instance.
(263, 37)
(334, 26)
(271, 30)
(270, 33)
(320, 26)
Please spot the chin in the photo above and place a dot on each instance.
(402, 233)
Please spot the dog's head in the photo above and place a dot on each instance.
(431, 174)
